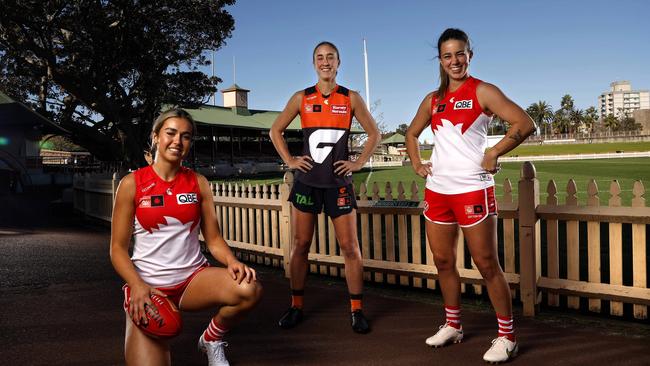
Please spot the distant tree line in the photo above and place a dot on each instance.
(569, 119)
(566, 119)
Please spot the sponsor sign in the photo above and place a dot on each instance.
(186, 198)
(153, 184)
(158, 201)
(145, 202)
(339, 109)
(463, 104)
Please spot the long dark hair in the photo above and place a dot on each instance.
(449, 33)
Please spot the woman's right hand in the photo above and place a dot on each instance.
(302, 163)
(423, 169)
(141, 297)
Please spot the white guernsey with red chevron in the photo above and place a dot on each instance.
(166, 213)
(460, 128)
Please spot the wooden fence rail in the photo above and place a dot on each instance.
(579, 255)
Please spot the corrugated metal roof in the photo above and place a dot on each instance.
(251, 118)
(395, 138)
(16, 113)
(228, 117)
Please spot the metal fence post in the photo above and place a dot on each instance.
(529, 239)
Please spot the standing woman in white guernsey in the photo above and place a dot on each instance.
(163, 206)
(324, 176)
(460, 184)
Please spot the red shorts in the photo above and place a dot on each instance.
(174, 293)
(465, 209)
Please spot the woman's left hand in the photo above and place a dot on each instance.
(241, 272)
(345, 167)
(490, 163)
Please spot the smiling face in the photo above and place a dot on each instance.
(454, 59)
(326, 62)
(174, 139)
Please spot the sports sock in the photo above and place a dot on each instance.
(506, 327)
(214, 332)
(355, 302)
(297, 298)
(452, 314)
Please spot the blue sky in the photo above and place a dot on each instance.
(532, 50)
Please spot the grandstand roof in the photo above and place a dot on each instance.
(243, 118)
(395, 138)
(16, 113)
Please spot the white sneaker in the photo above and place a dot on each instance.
(446, 334)
(502, 350)
(215, 352)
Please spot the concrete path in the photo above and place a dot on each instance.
(61, 304)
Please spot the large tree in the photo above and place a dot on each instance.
(103, 69)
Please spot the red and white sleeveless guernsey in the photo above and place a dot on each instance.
(166, 227)
(459, 125)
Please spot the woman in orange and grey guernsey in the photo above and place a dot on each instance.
(324, 177)
(460, 186)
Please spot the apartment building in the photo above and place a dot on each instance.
(622, 100)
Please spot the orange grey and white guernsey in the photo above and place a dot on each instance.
(325, 121)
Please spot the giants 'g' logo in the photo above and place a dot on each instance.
(321, 143)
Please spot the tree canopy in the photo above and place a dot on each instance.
(103, 69)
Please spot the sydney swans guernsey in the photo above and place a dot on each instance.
(166, 227)
(459, 125)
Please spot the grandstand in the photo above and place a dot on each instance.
(234, 140)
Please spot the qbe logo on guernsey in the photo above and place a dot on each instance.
(463, 104)
(186, 198)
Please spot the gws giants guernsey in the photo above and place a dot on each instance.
(459, 125)
(166, 227)
(325, 122)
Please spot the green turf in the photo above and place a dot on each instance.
(626, 171)
(529, 150)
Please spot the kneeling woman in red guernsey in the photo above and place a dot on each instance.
(460, 186)
(164, 206)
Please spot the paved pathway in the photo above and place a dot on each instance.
(61, 305)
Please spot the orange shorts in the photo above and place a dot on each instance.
(464, 209)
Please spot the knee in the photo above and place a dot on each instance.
(489, 268)
(250, 293)
(350, 249)
(443, 263)
(301, 245)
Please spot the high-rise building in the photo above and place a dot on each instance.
(622, 100)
